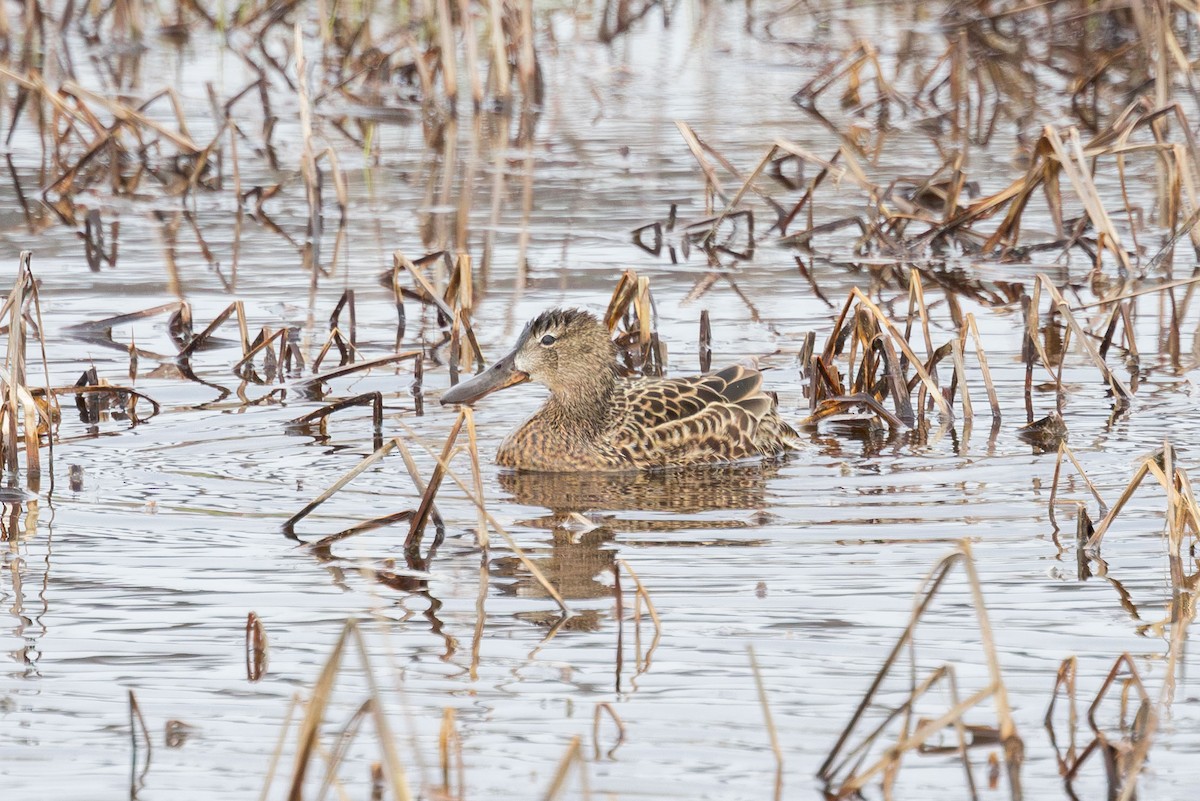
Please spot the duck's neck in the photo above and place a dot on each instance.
(585, 406)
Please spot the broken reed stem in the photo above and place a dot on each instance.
(238, 308)
(712, 184)
(431, 295)
(1175, 648)
(1060, 304)
(737, 198)
(293, 704)
(1137, 293)
(1065, 450)
(938, 400)
(776, 749)
(289, 527)
(481, 533)
(14, 379)
(573, 756)
(467, 18)
(1013, 748)
(445, 31)
(1008, 731)
(314, 718)
(1181, 505)
(372, 399)
(450, 750)
(960, 370)
(993, 398)
(356, 367)
(526, 58)
(417, 526)
(495, 524)
(501, 78)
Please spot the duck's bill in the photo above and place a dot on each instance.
(500, 375)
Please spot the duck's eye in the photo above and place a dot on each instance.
(549, 340)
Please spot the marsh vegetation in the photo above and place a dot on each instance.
(249, 244)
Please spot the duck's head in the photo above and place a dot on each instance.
(567, 350)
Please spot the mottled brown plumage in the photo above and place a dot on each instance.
(595, 420)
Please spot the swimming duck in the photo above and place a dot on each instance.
(597, 420)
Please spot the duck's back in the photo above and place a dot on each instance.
(718, 417)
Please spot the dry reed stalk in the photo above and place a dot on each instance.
(1119, 754)
(19, 403)
(1183, 612)
(496, 526)
(526, 57)
(1182, 512)
(845, 774)
(372, 399)
(400, 261)
(1058, 304)
(642, 594)
(294, 703)
(308, 160)
(573, 757)
(467, 19)
(1080, 176)
(417, 526)
(642, 308)
(263, 342)
(1065, 450)
(322, 546)
(289, 527)
(314, 718)
(501, 79)
(960, 373)
(100, 387)
(746, 186)
(712, 184)
(427, 499)
(623, 296)
(341, 189)
(345, 351)
(917, 304)
(1165, 286)
(642, 658)
(357, 367)
(334, 759)
(450, 751)
(900, 342)
(444, 26)
(765, 703)
(481, 532)
(993, 399)
(131, 116)
(460, 292)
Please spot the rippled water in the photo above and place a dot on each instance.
(135, 571)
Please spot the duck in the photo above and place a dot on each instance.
(597, 420)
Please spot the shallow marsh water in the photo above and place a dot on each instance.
(140, 575)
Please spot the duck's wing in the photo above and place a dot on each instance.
(721, 416)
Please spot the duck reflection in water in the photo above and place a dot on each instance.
(588, 510)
